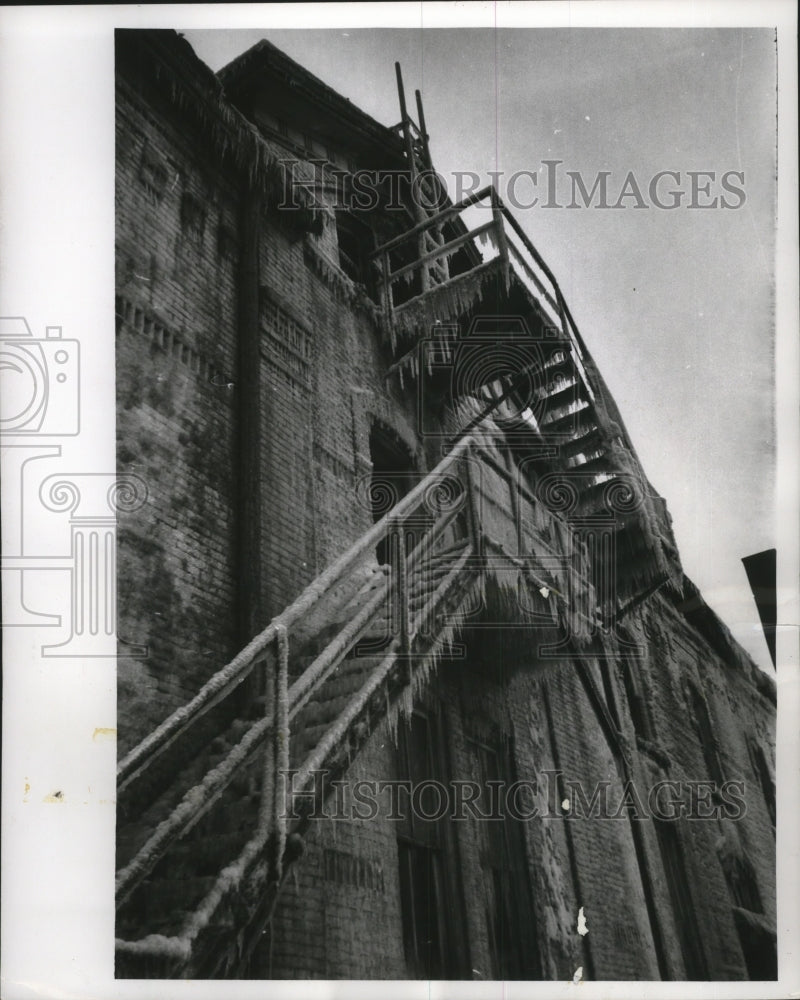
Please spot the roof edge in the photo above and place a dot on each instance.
(264, 56)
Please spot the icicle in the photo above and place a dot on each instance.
(407, 702)
(391, 718)
(281, 737)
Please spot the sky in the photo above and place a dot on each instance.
(676, 305)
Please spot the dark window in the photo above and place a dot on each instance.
(608, 690)
(637, 703)
(510, 923)
(433, 938)
(422, 897)
(705, 731)
(356, 242)
(393, 476)
(759, 947)
(193, 216)
(683, 909)
(764, 775)
(153, 174)
(741, 881)
(407, 285)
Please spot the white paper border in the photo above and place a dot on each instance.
(56, 267)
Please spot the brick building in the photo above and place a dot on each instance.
(396, 532)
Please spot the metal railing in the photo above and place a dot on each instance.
(413, 636)
(515, 253)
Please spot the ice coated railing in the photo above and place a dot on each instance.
(443, 515)
(509, 249)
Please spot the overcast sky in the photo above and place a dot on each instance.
(675, 305)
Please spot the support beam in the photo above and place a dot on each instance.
(250, 418)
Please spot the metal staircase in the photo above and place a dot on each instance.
(420, 261)
(203, 838)
(587, 462)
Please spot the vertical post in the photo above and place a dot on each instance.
(500, 231)
(439, 193)
(416, 208)
(474, 514)
(270, 764)
(281, 743)
(250, 420)
(423, 572)
(513, 488)
(388, 305)
(403, 597)
(423, 131)
(563, 314)
(272, 808)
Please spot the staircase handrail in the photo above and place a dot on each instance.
(433, 220)
(196, 801)
(179, 946)
(225, 679)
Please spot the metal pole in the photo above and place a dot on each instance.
(416, 209)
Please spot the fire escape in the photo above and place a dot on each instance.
(207, 829)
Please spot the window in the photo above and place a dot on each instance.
(683, 909)
(433, 938)
(759, 946)
(193, 216)
(393, 476)
(759, 761)
(153, 174)
(742, 884)
(705, 731)
(756, 933)
(355, 241)
(510, 923)
(608, 690)
(409, 285)
(637, 703)
(422, 897)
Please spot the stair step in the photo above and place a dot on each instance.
(586, 439)
(180, 880)
(597, 464)
(133, 832)
(160, 905)
(565, 420)
(559, 395)
(198, 857)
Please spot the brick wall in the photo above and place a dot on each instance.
(176, 330)
(322, 367)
